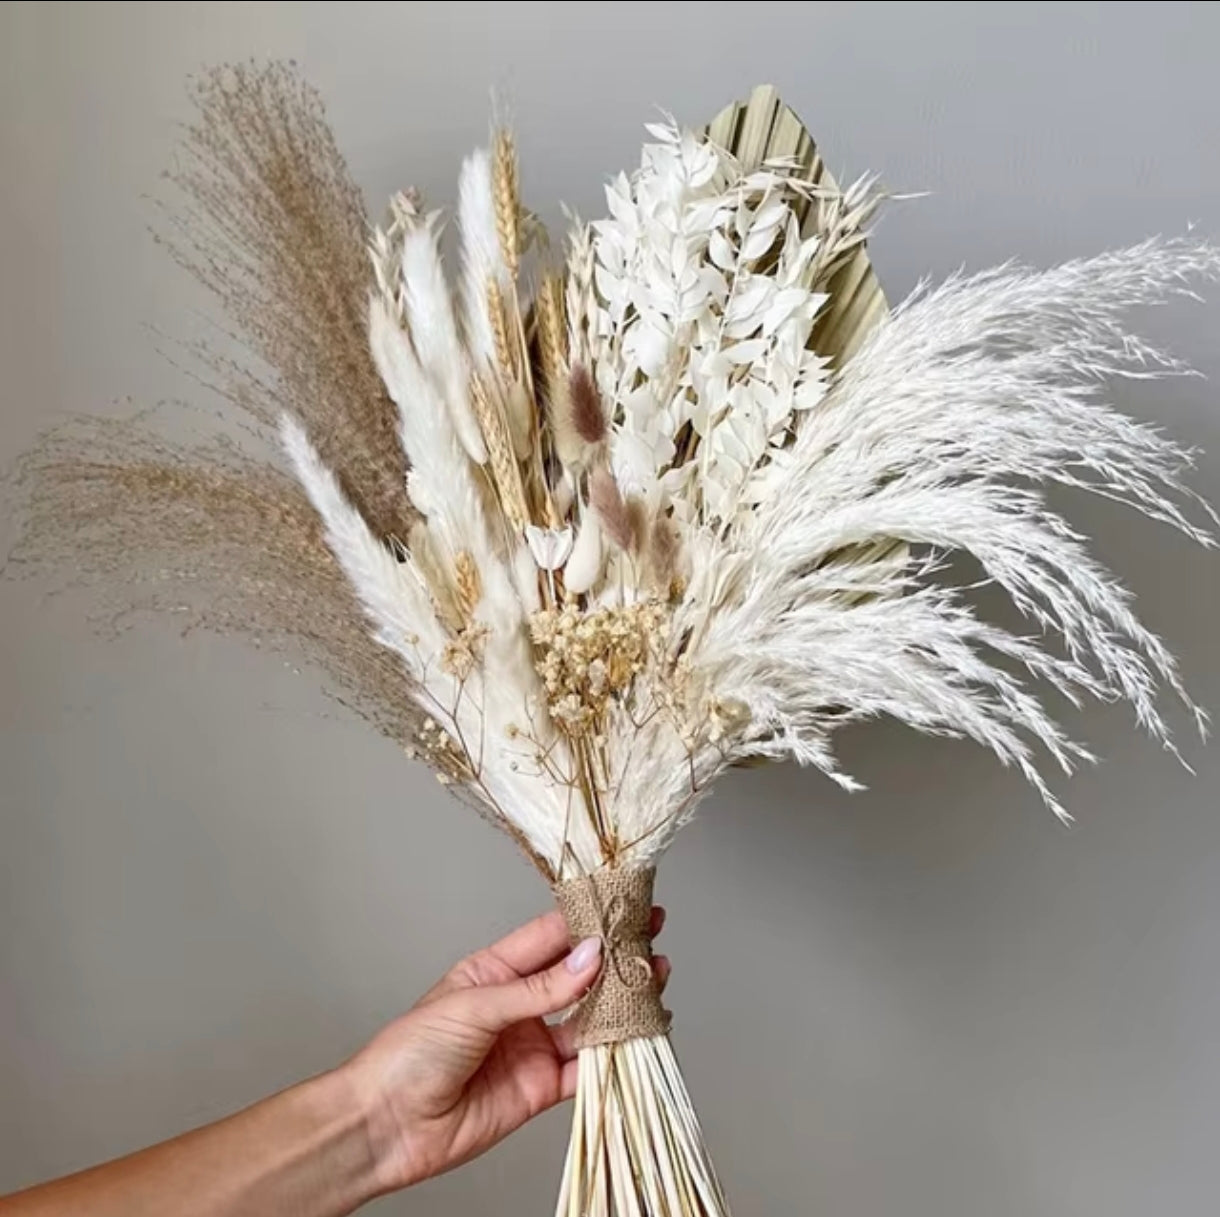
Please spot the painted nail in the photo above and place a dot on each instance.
(584, 954)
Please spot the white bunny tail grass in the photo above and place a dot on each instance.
(942, 432)
(636, 1147)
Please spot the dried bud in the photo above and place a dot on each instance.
(637, 522)
(663, 552)
(585, 403)
(585, 562)
(606, 500)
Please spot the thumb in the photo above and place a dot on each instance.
(494, 1008)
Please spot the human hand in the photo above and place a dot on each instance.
(473, 1060)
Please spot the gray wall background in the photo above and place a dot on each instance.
(925, 1000)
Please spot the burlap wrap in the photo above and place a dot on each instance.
(615, 906)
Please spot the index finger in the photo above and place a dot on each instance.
(538, 943)
(534, 945)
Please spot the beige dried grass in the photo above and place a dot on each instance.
(267, 218)
(216, 538)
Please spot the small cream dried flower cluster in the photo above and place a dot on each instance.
(464, 651)
(438, 748)
(586, 659)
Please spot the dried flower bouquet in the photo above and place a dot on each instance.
(595, 527)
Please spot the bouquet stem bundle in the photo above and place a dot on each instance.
(636, 1146)
(585, 532)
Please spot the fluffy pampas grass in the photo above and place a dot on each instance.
(941, 432)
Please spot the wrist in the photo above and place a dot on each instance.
(335, 1147)
(389, 1164)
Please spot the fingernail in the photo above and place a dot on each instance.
(584, 954)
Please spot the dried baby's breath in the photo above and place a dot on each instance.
(587, 659)
(464, 653)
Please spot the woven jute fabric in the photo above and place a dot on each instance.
(615, 906)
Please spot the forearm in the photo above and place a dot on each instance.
(303, 1152)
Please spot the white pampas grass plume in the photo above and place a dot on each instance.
(940, 432)
(393, 593)
(441, 482)
(482, 258)
(433, 330)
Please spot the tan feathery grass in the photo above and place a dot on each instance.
(268, 219)
(220, 540)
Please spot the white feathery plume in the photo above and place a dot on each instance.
(433, 330)
(394, 595)
(482, 259)
(939, 433)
